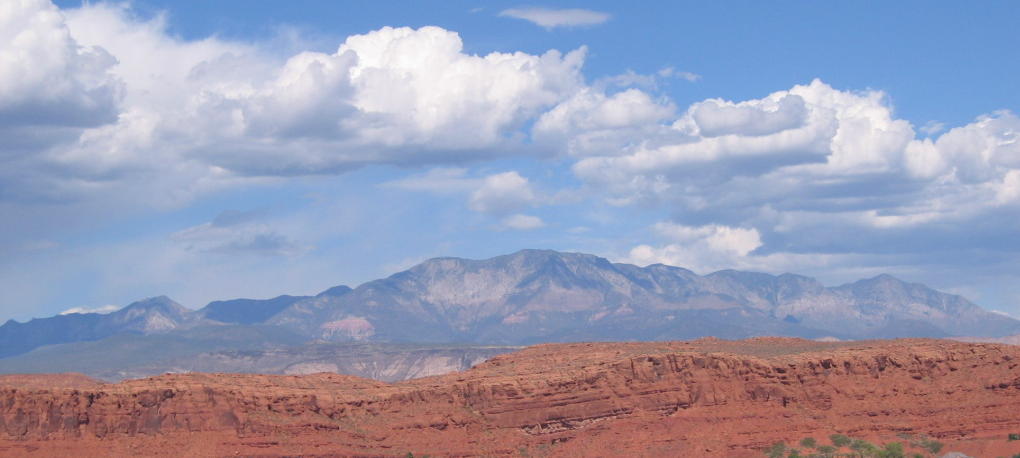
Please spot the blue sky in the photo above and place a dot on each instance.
(211, 150)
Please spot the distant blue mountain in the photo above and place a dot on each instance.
(249, 311)
(541, 295)
(156, 314)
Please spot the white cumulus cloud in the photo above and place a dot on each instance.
(703, 248)
(502, 193)
(47, 78)
(595, 123)
(815, 148)
(170, 118)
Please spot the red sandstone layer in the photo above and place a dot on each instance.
(701, 398)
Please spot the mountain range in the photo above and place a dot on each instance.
(527, 297)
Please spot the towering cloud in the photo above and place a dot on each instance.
(48, 79)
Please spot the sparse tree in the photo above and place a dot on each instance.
(808, 442)
(892, 450)
(839, 440)
(863, 447)
(827, 450)
(778, 450)
(931, 445)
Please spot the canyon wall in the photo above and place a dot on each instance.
(707, 397)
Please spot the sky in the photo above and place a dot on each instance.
(209, 150)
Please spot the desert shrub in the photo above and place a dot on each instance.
(827, 449)
(1014, 437)
(777, 450)
(891, 450)
(794, 454)
(839, 440)
(863, 447)
(860, 445)
(932, 446)
(808, 442)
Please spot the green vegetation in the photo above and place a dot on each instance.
(839, 440)
(1014, 437)
(847, 447)
(863, 447)
(930, 445)
(778, 450)
(892, 450)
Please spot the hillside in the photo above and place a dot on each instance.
(701, 398)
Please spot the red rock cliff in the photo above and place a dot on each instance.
(707, 398)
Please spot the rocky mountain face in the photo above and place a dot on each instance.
(702, 398)
(535, 296)
(546, 296)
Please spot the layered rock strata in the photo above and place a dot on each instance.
(700, 398)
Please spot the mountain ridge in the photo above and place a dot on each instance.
(533, 296)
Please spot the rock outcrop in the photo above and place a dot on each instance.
(701, 398)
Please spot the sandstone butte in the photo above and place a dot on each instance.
(702, 398)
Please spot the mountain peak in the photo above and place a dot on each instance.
(161, 302)
(545, 255)
(338, 290)
(154, 314)
(884, 278)
(521, 258)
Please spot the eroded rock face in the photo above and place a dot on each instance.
(707, 397)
